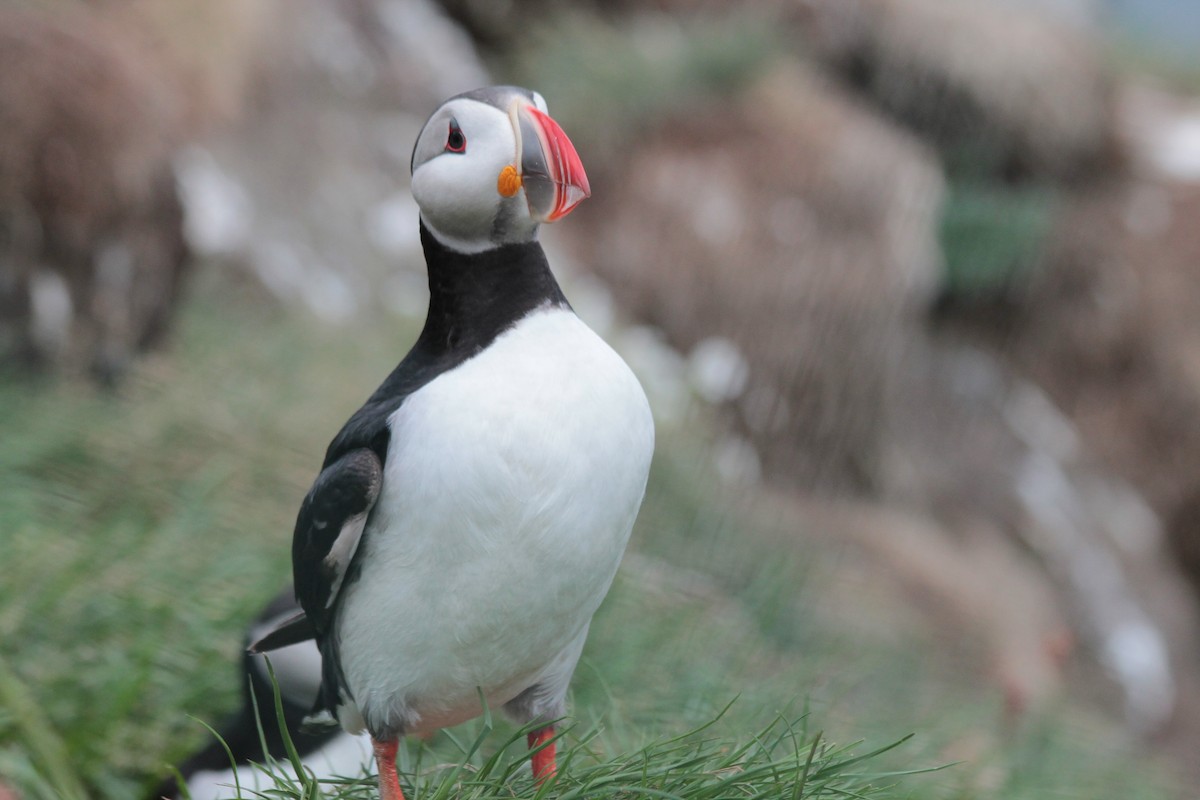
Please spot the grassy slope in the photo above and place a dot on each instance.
(140, 532)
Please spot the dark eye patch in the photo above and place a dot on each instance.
(456, 140)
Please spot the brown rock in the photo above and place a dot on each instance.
(212, 51)
(91, 247)
(1108, 327)
(797, 226)
(1006, 86)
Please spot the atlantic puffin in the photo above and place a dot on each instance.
(469, 518)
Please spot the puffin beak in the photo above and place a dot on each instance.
(550, 169)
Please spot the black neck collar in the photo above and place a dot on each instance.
(473, 297)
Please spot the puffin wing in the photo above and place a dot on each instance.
(328, 529)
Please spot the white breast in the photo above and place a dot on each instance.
(510, 489)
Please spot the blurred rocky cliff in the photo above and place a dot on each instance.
(933, 261)
(96, 101)
(926, 265)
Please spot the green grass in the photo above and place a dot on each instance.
(992, 234)
(142, 531)
(783, 760)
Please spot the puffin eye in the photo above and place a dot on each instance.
(456, 140)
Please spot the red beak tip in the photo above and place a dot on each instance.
(566, 169)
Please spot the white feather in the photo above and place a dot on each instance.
(342, 552)
(343, 756)
(510, 490)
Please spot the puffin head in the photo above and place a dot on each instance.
(490, 165)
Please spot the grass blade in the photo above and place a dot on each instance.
(45, 746)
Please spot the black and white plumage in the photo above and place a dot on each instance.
(326, 751)
(470, 517)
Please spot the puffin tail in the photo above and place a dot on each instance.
(293, 630)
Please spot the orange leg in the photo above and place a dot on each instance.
(543, 761)
(385, 760)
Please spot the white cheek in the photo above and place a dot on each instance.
(458, 194)
(445, 201)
